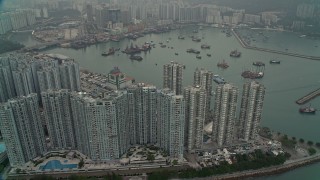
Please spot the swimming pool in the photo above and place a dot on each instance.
(2, 147)
(56, 164)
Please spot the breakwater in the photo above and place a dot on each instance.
(308, 97)
(245, 45)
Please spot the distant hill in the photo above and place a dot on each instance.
(256, 6)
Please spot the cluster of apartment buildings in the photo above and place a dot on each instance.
(16, 19)
(44, 91)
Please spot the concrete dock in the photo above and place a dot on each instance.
(245, 45)
(308, 97)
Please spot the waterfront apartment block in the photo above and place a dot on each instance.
(142, 113)
(225, 106)
(22, 130)
(172, 77)
(6, 81)
(59, 119)
(251, 110)
(171, 123)
(97, 118)
(203, 78)
(16, 19)
(195, 98)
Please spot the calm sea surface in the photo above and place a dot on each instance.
(285, 83)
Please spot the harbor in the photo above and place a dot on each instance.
(246, 46)
(283, 86)
(308, 97)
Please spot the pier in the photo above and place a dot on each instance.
(308, 97)
(245, 45)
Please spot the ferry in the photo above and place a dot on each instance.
(307, 110)
(219, 80)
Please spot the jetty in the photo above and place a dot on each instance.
(246, 46)
(308, 97)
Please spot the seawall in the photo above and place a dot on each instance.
(246, 46)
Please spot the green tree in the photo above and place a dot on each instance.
(18, 170)
(310, 143)
(150, 157)
(311, 151)
(81, 164)
(301, 140)
(175, 162)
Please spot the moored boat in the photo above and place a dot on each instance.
(198, 57)
(235, 53)
(205, 46)
(209, 55)
(110, 52)
(258, 63)
(223, 64)
(307, 110)
(137, 58)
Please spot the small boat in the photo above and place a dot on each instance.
(235, 53)
(223, 64)
(176, 54)
(195, 39)
(209, 55)
(110, 52)
(180, 37)
(205, 46)
(302, 36)
(275, 62)
(258, 63)
(137, 58)
(198, 57)
(307, 110)
(195, 31)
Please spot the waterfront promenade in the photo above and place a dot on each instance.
(245, 45)
(287, 166)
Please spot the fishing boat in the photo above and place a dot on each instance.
(198, 57)
(223, 64)
(209, 55)
(205, 46)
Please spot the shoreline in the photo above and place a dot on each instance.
(274, 170)
(244, 45)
